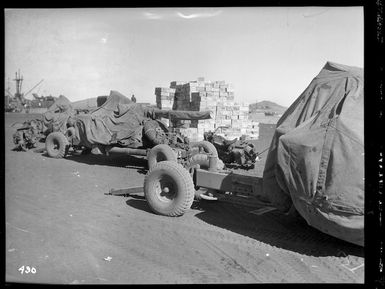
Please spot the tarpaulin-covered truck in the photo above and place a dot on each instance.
(315, 164)
(316, 158)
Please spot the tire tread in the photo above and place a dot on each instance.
(184, 176)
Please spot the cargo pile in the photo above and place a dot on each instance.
(201, 95)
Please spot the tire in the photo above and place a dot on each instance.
(56, 145)
(180, 189)
(70, 133)
(160, 153)
(150, 131)
(208, 147)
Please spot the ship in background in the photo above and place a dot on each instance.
(18, 103)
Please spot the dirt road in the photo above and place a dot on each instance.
(59, 222)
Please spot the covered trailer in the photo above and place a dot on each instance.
(316, 158)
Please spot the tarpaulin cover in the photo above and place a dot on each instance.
(316, 157)
(55, 118)
(120, 121)
(117, 121)
(182, 114)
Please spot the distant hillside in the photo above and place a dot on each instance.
(267, 106)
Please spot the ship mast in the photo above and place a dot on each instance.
(19, 83)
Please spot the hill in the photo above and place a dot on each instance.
(266, 112)
(267, 106)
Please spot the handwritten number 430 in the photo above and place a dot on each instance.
(26, 269)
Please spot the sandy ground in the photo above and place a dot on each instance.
(59, 222)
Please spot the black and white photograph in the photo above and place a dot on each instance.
(184, 145)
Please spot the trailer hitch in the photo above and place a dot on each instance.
(138, 190)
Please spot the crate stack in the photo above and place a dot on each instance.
(217, 97)
(165, 99)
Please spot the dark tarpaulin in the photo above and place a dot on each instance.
(57, 115)
(120, 121)
(316, 157)
(117, 121)
(114, 100)
(182, 114)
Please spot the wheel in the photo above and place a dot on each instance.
(169, 189)
(56, 145)
(207, 146)
(70, 133)
(160, 153)
(153, 132)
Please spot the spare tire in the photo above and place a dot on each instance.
(160, 153)
(169, 189)
(152, 131)
(56, 145)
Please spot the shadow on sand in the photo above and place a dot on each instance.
(272, 228)
(122, 161)
(139, 203)
(276, 229)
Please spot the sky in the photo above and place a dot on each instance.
(267, 53)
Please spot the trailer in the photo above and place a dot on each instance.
(170, 188)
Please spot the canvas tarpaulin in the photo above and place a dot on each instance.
(117, 121)
(316, 157)
(57, 115)
(182, 114)
(120, 121)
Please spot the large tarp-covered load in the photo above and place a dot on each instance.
(120, 121)
(316, 157)
(57, 115)
(117, 121)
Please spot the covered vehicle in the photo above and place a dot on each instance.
(56, 119)
(316, 158)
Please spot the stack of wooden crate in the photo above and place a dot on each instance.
(216, 97)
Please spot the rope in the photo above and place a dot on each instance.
(344, 133)
(263, 150)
